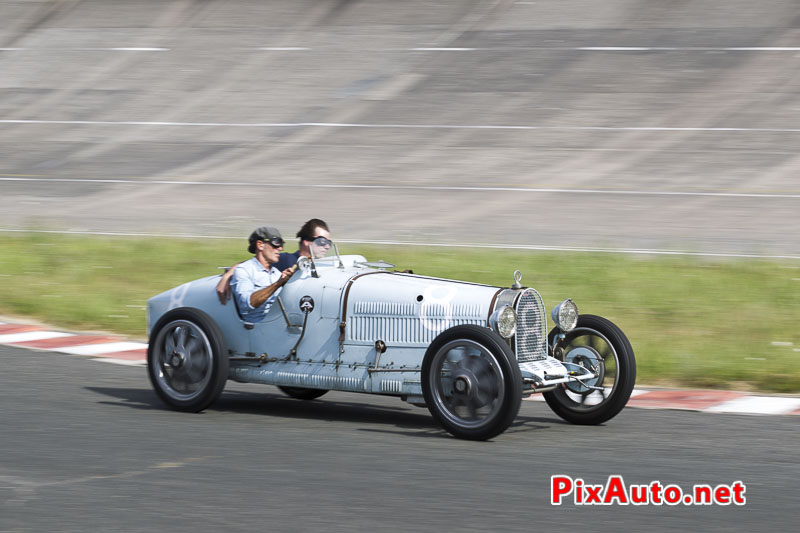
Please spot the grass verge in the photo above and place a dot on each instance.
(692, 322)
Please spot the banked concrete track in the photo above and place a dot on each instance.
(624, 125)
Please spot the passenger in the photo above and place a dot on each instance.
(312, 231)
(257, 283)
(313, 235)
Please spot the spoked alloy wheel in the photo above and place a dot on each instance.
(471, 382)
(187, 363)
(600, 346)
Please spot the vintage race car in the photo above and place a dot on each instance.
(469, 352)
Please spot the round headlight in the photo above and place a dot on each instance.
(565, 315)
(504, 322)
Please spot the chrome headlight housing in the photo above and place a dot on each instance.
(565, 315)
(504, 322)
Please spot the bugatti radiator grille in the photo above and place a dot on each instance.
(531, 337)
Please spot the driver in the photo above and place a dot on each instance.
(313, 235)
(257, 283)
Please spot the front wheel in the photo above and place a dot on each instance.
(599, 345)
(471, 382)
(187, 360)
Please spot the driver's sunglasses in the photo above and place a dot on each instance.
(322, 241)
(275, 243)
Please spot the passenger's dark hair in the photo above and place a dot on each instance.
(307, 232)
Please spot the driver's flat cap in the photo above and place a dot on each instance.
(264, 233)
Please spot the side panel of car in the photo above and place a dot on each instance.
(201, 294)
(410, 311)
(309, 329)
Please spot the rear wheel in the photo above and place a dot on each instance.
(186, 360)
(302, 393)
(599, 345)
(471, 382)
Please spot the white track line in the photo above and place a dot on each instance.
(575, 249)
(687, 48)
(123, 362)
(442, 49)
(403, 187)
(116, 49)
(390, 126)
(540, 398)
(12, 338)
(533, 247)
(767, 405)
(121, 49)
(98, 349)
(454, 49)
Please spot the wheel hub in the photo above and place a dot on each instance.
(177, 359)
(588, 358)
(462, 385)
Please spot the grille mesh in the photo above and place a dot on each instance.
(402, 323)
(531, 337)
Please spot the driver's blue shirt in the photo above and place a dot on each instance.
(248, 278)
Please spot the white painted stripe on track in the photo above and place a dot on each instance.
(123, 362)
(449, 49)
(12, 338)
(536, 397)
(98, 349)
(540, 398)
(766, 405)
(442, 49)
(391, 126)
(688, 48)
(574, 249)
(620, 192)
(532, 247)
(121, 49)
(109, 49)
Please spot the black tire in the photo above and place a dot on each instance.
(471, 382)
(593, 341)
(187, 360)
(302, 393)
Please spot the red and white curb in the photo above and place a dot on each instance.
(103, 348)
(711, 401)
(112, 349)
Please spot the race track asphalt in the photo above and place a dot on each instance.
(87, 446)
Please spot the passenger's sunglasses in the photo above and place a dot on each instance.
(322, 241)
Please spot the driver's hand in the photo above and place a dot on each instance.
(224, 290)
(224, 286)
(286, 274)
